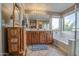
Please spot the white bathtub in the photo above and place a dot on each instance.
(63, 40)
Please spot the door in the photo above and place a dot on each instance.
(77, 31)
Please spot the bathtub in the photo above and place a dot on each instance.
(64, 41)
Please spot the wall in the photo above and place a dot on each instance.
(7, 10)
(0, 33)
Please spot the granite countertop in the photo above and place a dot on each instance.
(37, 30)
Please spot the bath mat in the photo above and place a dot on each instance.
(39, 47)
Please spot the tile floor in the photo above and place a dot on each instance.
(52, 51)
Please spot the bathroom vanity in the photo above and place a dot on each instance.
(39, 37)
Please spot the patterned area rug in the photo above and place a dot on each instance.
(39, 47)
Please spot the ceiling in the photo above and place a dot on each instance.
(51, 7)
(54, 7)
(40, 9)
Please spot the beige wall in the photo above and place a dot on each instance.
(0, 33)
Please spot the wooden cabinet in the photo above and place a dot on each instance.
(42, 38)
(35, 37)
(13, 39)
(28, 35)
(16, 40)
(39, 37)
(49, 37)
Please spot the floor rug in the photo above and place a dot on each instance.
(39, 47)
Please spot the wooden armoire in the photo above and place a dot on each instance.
(16, 41)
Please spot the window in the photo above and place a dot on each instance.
(55, 23)
(77, 20)
(69, 22)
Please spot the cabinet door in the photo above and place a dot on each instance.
(49, 37)
(13, 39)
(37, 37)
(30, 37)
(45, 37)
(33, 37)
(42, 39)
(27, 35)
